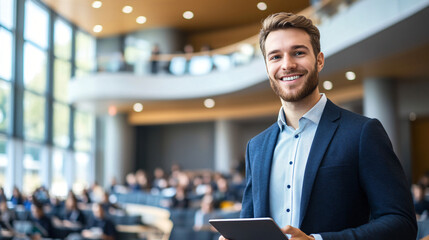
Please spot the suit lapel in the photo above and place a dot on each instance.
(324, 134)
(264, 168)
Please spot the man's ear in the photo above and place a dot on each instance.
(320, 61)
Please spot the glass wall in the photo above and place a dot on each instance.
(35, 74)
(36, 126)
(3, 160)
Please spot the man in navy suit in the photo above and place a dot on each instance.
(321, 172)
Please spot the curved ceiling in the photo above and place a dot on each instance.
(208, 14)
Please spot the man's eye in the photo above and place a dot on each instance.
(299, 53)
(274, 57)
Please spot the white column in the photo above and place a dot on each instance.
(224, 146)
(118, 149)
(380, 102)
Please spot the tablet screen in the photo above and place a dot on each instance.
(248, 229)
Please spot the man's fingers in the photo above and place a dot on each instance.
(222, 238)
(294, 232)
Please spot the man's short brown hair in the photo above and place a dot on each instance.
(285, 20)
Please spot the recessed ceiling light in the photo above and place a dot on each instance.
(350, 75)
(127, 9)
(97, 4)
(97, 28)
(328, 85)
(188, 15)
(412, 116)
(112, 110)
(138, 107)
(141, 19)
(209, 103)
(262, 6)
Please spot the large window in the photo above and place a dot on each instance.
(6, 54)
(84, 128)
(34, 117)
(6, 13)
(59, 184)
(36, 24)
(32, 166)
(82, 162)
(62, 75)
(5, 112)
(61, 125)
(34, 91)
(3, 161)
(35, 74)
(62, 64)
(85, 54)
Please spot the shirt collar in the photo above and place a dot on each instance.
(314, 114)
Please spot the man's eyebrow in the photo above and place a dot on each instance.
(273, 52)
(293, 48)
(299, 46)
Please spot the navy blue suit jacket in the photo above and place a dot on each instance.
(354, 186)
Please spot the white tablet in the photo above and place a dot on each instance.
(248, 229)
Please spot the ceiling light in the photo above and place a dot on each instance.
(97, 4)
(209, 103)
(97, 28)
(412, 116)
(350, 75)
(141, 19)
(188, 15)
(112, 110)
(138, 107)
(127, 9)
(262, 6)
(328, 85)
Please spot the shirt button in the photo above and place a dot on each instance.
(288, 210)
(290, 163)
(288, 186)
(297, 136)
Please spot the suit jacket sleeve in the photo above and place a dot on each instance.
(383, 181)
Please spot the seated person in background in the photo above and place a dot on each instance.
(224, 197)
(142, 180)
(109, 207)
(131, 182)
(42, 225)
(421, 205)
(100, 226)
(7, 217)
(3, 197)
(180, 199)
(55, 207)
(72, 216)
(17, 198)
(204, 214)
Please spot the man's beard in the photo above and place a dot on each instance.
(309, 87)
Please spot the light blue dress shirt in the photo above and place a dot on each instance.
(288, 166)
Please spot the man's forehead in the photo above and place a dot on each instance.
(287, 38)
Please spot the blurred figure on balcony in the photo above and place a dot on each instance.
(154, 63)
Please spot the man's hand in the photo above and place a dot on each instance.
(295, 233)
(222, 238)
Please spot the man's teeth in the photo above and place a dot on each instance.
(290, 78)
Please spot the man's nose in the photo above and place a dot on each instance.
(288, 62)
